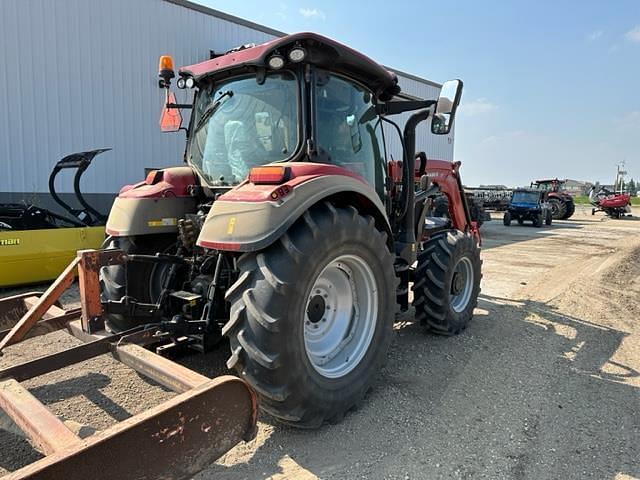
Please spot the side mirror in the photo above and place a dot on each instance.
(448, 102)
(170, 118)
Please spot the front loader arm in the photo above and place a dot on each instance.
(446, 176)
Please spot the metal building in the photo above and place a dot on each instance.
(82, 74)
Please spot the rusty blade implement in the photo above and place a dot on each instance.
(174, 440)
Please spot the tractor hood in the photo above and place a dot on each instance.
(320, 51)
(524, 205)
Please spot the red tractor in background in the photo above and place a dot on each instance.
(561, 202)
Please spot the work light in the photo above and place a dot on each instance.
(276, 61)
(297, 54)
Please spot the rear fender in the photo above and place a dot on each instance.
(252, 217)
(154, 205)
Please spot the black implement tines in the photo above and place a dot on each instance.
(80, 161)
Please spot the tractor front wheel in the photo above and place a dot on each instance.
(537, 220)
(548, 218)
(312, 316)
(506, 220)
(570, 209)
(447, 282)
(558, 208)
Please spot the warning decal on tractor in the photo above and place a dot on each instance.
(163, 222)
(7, 242)
(231, 225)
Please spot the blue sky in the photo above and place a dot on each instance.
(552, 88)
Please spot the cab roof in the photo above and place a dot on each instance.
(321, 51)
(528, 190)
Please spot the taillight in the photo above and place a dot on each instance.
(153, 177)
(270, 175)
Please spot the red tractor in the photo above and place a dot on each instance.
(561, 202)
(287, 231)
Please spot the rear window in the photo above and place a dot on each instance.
(525, 197)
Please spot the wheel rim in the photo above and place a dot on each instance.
(340, 316)
(461, 285)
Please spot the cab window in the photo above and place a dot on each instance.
(348, 131)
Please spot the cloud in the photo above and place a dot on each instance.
(595, 35)
(312, 13)
(633, 35)
(630, 120)
(479, 106)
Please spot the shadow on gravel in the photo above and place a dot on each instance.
(89, 387)
(495, 234)
(526, 393)
(16, 451)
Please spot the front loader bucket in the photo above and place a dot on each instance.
(173, 440)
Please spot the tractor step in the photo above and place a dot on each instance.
(173, 440)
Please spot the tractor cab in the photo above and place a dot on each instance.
(549, 185)
(300, 98)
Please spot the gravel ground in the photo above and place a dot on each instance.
(544, 384)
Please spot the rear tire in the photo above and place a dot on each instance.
(447, 282)
(506, 220)
(285, 316)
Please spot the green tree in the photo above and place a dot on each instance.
(631, 186)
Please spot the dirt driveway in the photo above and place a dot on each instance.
(544, 383)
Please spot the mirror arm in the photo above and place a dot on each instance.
(179, 105)
(407, 237)
(393, 108)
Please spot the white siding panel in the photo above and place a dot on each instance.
(439, 147)
(82, 74)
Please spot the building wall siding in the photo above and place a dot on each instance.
(81, 74)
